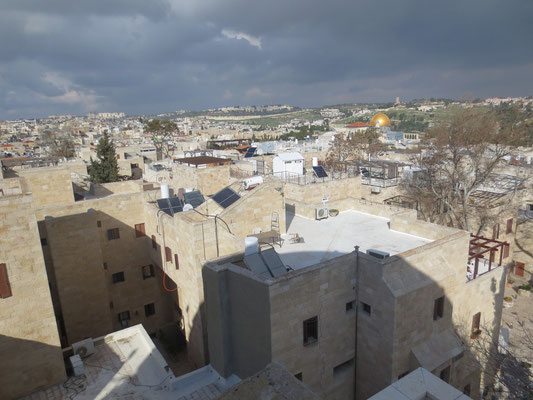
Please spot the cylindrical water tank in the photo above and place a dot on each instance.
(164, 191)
(315, 161)
(254, 180)
(251, 245)
(188, 190)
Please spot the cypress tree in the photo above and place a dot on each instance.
(105, 168)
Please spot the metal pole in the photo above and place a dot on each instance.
(356, 320)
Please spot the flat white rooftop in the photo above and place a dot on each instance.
(335, 236)
(127, 365)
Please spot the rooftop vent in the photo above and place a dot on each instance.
(377, 253)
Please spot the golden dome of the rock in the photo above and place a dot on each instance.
(380, 119)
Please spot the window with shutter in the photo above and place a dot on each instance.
(5, 287)
(476, 321)
(509, 226)
(176, 261)
(168, 254)
(139, 230)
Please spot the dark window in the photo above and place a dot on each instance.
(123, 318)
(118, 277)
(509, 226)
(350, 306)
(43, 242)
(139, 230)
(310, 330)
(168, 255)
(366, 308)
(5, 287)
(176, 261)
(404, 374)
(148, 271)
(299, 376)
(341, 368)
(496, 231)
(466, 390)
(154, 243)
(113, 234)
(476, 319)
(445, 374)
(438, 308)
(149, 309)
(99, 224)
(505, 250)
(105, 265)
(111, 305)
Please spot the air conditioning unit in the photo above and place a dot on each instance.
(375, 189)
(321, 212)
(377, 253)
(84, 348)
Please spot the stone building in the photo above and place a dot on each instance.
(29, 341)
(340, 318)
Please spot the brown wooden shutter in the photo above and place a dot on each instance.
(505, 250)
(168, 254)
(5, 287)
(475, 322)
(139, 230)
(509, 226)
(176, 261)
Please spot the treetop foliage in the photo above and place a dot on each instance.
(105, 168)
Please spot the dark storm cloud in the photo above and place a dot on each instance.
(145, 56)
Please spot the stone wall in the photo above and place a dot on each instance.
(29, 340)
(207, 180)
(84, 260)
(51, 185)
(337, 189)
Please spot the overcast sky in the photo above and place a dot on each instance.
(152, 56)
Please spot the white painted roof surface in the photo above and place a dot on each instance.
(127, 365)
(291, 156)
(420, 384)
(335, 236)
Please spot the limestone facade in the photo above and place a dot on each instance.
(29, 340)
(375, 315)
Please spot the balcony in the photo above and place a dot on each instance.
(480, 247)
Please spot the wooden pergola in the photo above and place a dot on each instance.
(479, 246)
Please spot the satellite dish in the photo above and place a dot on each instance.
(187, 207)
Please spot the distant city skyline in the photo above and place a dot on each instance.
(139, 57)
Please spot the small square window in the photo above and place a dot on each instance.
(148, 271)
(350, 306)
(43, 242)
(438, 308)
(118, 277)
(139, 230)
(113, 234)
(99, 224)
(366, 308)
(149, 309)
(310, 330)
(123, 318)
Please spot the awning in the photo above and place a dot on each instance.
(438, 349)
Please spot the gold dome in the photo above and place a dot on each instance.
(380, 119)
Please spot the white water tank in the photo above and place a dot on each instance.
(254, 180)
(315, 161)
(164, 191)
(251, 245)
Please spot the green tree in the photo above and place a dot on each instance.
(161, 132)
(105, 168)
